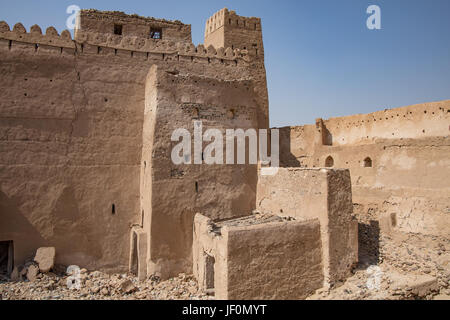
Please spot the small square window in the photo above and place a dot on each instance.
(118, 29)
(156, 33)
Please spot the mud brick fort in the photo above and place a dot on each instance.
(85, 165)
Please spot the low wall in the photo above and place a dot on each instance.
(324, 194)
(269, 260)
(274, 260)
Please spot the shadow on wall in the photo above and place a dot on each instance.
(15, 226)
(287, 159)
(369, 242)
(327, 138)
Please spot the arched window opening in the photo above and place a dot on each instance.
(329, 162)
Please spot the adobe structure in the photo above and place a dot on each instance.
(398, 160)
(85, 160)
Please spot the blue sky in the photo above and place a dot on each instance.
(321, 60)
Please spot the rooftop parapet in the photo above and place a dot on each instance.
(51, 36)
(89, 43)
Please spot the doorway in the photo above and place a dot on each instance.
(6, 257)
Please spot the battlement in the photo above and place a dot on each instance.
(227, 29)
(232, 20)
(98, 106)
(35, 36)
(121, 24)
(125, 46)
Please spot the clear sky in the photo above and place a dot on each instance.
(321, 59)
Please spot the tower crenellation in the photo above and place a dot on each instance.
(227, 29)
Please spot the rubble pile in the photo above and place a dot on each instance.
(40, 279)
(405, 266)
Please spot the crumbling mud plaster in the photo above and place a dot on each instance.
(84, 125)
(323, 194)
(256, 257)
(398, 161)
(86, 169)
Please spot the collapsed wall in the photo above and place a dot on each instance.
(398, 161)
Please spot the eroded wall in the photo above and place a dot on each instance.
(180, 190)
(103, 23)
(227, 29)
(71, 130)
(274, 260)
(322, 194)
(398, 161)
(254, 259)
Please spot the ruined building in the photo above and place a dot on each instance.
(85, 160)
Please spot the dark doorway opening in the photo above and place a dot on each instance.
(6, 257)
(209, 272)
(134, 254)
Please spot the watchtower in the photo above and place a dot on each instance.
(227, 29)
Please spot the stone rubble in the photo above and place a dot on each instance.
(411, 266)
(45, 257)
(100, 286)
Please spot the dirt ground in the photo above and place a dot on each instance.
(404, 266)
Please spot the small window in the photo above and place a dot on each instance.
(155, 33)
(329, 162)
(368, 162)
(118, 29)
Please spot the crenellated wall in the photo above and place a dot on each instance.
(132, 47)
(72, 133)
(227, 29)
